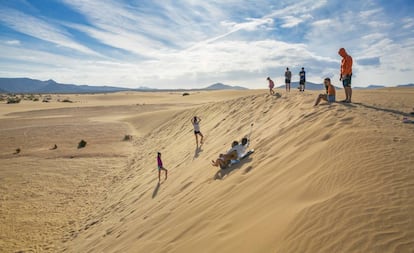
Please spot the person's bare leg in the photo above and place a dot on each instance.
(350, 94)
(202, 138)
(318, 100)
(196, 139)
(346, 93)
(159, 175)
(166, 174)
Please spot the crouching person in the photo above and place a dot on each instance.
(330, 93)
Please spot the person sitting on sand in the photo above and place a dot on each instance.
(161, 167)
(330, 93)
(196, 123)
(271, 86)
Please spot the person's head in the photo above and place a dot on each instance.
(235, 143)
(195, 119)
(327, 81)
(159, 154)
(287, 68)
(342, 52)
(268, 78)
(244, 141)
(303, 68)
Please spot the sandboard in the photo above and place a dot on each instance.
(247, 154)
(232, 162)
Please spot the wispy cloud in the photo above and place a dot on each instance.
(13, 42)
(40, 29)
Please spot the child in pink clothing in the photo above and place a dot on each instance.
(161, 167)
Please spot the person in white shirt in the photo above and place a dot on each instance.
(196, 124)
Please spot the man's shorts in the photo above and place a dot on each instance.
(197, 132)
(346, 81)
(287, 80)
(331, 98)
(302, 82)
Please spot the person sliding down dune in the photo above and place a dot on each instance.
(236, 152)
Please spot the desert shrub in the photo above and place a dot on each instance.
(186, 94)
(127, 137)
(67, 100)
(13, 100)
(35, 99)
(82, 144)
(45, 100)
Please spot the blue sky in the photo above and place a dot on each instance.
(194, 43)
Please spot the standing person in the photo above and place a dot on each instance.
(302, 79)
(330, 92)
(271, 86)
(346, 74)
(161, 167)
(196, 123)
(288, 77)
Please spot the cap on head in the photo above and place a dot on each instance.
(268, 78)
(159, 153)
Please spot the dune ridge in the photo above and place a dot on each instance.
(334, 178)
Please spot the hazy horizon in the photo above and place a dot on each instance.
(192, 44)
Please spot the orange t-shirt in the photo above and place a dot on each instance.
(346, 65)
(331, 90)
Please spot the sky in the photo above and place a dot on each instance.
(195, 43)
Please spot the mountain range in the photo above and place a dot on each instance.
(27, 85)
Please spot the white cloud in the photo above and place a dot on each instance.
(40, 29)
(13, 42)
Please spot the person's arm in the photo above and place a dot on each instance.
(192, 120)
(199, 120)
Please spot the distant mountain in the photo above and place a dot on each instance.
(27, 85)
(406, 85)
(370, 87)
(220, 86)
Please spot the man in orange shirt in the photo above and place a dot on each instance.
(346, 74)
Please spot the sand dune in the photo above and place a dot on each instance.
(335, 178)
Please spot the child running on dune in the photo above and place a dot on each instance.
(161, 167)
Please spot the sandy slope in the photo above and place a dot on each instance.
(334, 178)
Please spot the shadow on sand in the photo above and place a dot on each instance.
(383, 109)
(220, 174)
(197, 152)
(156, 189)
